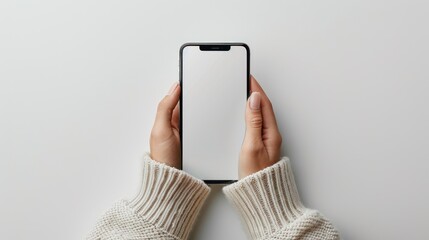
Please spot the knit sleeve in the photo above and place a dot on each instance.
(270, 206)
(165, 208)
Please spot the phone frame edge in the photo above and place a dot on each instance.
(181, 92)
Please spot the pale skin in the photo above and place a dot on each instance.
(262, 140)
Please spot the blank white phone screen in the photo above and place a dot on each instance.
(214, 94)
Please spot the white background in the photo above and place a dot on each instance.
(80, 81)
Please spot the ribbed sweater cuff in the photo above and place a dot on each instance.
(169, 198)
(267, 200)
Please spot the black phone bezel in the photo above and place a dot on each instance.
(211, 46)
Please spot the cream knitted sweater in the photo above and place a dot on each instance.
(170, 200)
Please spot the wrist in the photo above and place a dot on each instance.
(169, 198)
(268, 199)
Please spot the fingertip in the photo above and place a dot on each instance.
(255, 101)
(177, 90)
(168, 104)
(173, 88)
(173, 95)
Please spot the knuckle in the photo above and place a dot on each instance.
(251, 147)
(156, 134)
(163, 106)
(256, 121)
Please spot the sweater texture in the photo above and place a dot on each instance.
(269, 204)
(170, 199)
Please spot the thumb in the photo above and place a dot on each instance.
(254, 118)
(166, 107)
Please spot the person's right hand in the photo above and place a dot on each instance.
(262, 141)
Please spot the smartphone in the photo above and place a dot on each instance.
(214, 80)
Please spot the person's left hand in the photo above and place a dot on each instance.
(262, 140)
(165, 137)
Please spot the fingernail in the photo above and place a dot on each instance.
(255, 101)
(173, 87)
